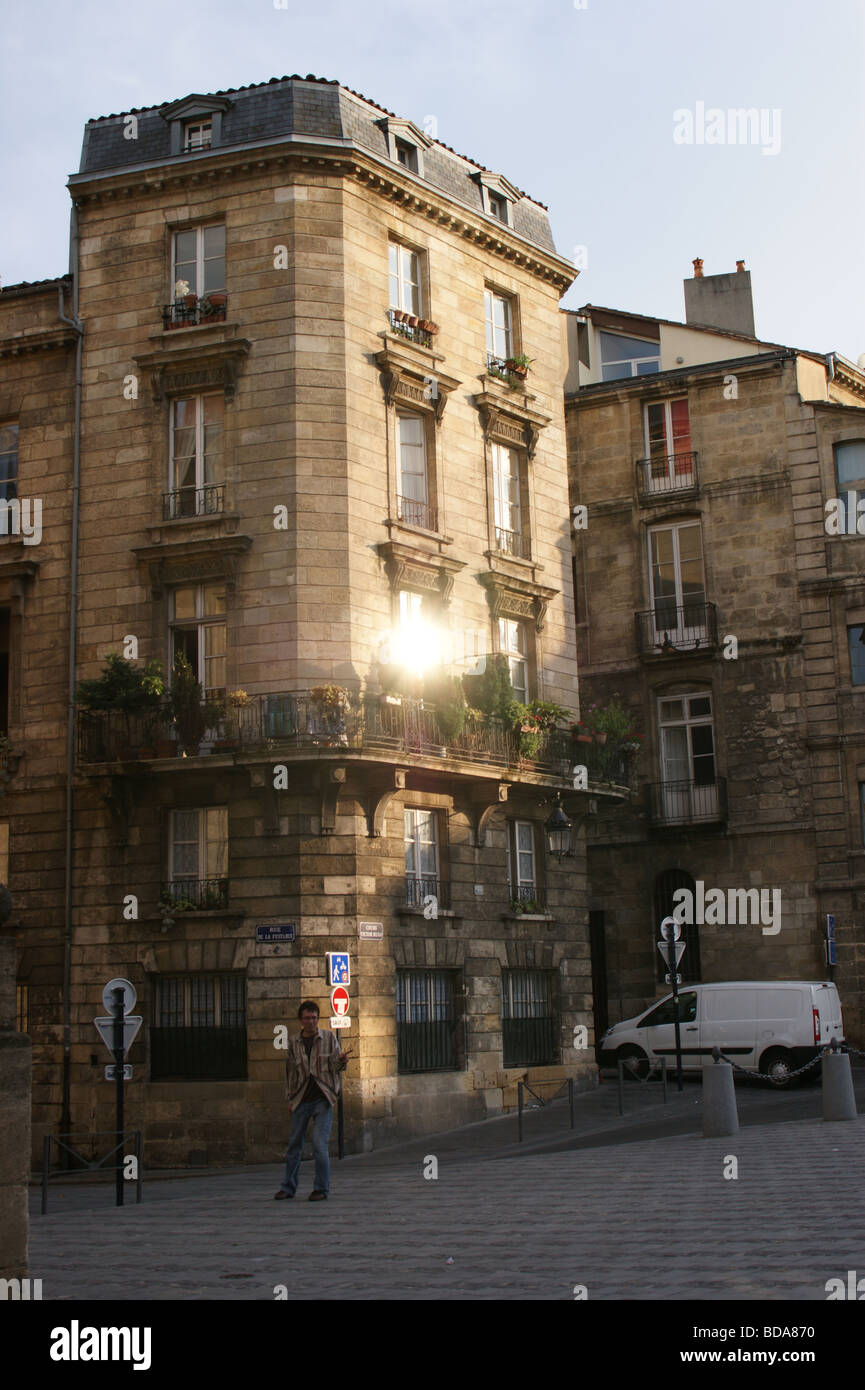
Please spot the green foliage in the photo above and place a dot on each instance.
(447, 695)
(120, 685)
(611, 719)
(491, 692)
(533, 721)
(192, 716)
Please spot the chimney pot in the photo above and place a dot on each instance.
(698, 269)
(740, 266)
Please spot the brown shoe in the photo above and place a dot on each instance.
(281, 1196)
(317, 1196)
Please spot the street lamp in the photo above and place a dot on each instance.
(558, 830)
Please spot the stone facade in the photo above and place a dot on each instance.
(766, 751)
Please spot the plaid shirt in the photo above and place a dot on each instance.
(323, 1066)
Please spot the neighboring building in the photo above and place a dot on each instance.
(304, 438)
(712, 597)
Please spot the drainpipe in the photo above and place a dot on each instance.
(74, 322)
(830, 365)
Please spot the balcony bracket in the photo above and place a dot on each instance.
(378, 801)
(261, 782)
(483, 812)
(331, 784)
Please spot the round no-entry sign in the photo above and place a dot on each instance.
(339, 1000)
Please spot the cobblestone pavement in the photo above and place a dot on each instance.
(650, 1219)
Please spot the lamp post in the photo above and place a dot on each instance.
(558, 830)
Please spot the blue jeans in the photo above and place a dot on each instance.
(321, 1114)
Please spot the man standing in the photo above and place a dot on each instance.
(312, 1068)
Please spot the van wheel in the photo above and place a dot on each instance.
(635, 1061)
(778, 1065)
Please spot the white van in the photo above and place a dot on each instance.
(772, 1026)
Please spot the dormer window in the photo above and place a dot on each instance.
(497, 196)
(407, 155)
(405, 143)
(498, 207)
(197, 136)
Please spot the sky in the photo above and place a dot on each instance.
(614, 113)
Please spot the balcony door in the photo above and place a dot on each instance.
(688, 774)
(668, 446)
(677, 587)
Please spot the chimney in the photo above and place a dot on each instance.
(720, 301)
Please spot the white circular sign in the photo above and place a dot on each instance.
(129, 995)
(670, 929)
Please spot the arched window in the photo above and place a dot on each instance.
(666, 884)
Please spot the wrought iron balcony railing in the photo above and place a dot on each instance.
(184, 313)
(415, 513)
(193, 501)
(418, 892)
(401, 323)
(687, 802)
(526, 897)
(194, 894)
(301, 721)
(656, 477)
(669, 628)
(514, 543)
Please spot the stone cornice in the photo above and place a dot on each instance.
(48, 340)
(509, 418)
(410, 376)
(409, 564)
(192, 561)
(510, 597)
(192, 366)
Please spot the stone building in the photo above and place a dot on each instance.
(715, 597)
(313, 461)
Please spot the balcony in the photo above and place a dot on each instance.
(418, 890)
(193, 501)
(412, 327)
(526, 897)
(665, 475)
(191, 311)
(507, 370)
(669, 629)
(370, 724)
(515, 543)
(194, 894)
(686, 802)
(415, 513)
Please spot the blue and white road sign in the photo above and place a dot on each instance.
(338, 972)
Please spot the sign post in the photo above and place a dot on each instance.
(119, 996)
(672, 950)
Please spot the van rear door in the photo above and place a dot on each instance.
(827, 1019)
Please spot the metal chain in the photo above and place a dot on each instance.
(764, 1076)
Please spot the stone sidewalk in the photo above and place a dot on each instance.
(648, 1220)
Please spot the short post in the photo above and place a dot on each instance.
(839, 1099)
(340, 1127)
(520, 1109)
(720, 1115)
(621, 1070)
(664, 1077)
(571, 1098)
(138, 1165)
(119, 1057)
(46, 1163)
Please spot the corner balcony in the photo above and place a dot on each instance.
(682, 803)
(669, 629)
(369, 725)
(666, 476)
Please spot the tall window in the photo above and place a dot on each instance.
(666, 884)
(668, 446)
(528, 1024)
(199, 1029)
(499, 325)
(198, 859)
(426, 1025)
(421, 857)
(506, 501)
(197, 617)
(199, 259)
(856, 647)
(512, 641)
(621, 356)
(523, 886)
(413, 487)
(196, 477)
(8, 463)
(678, 590)
(850, 468)
(197, 136)
(688, 774)
(404, 278)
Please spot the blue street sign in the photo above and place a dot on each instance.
(276, 931)
(831, 953)
(830, 926)
(338, 968)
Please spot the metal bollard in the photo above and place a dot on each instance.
(621, 1070)
(571, 1098)
(720, 1115)
(520, 1109)
(839, 1100)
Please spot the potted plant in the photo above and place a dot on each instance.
(518, 365)
(449, 700)
(136, 691)
(534, 721)
(190, 713)
(236, 701)
(330, 704)
(491, 690)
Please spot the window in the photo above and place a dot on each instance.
(677, 588)
(528, 1025)
(689, 782)
(498, 207)
(404, 278)
(196, 478)
(197, 618)
(199, 1029)
(197, 136)
(668, 446)
(507, 508)
(413, 483)
(426, 1028)
(499, 318)
(512, 641)
(522, 867)
(666, 884)
(199, 259)
(621, 356)
(22, 1008)
(198, 860)
(665, 1013)
(850, 470)
(856, 645)
(422, 878)
(8, 463)
(407, 155)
